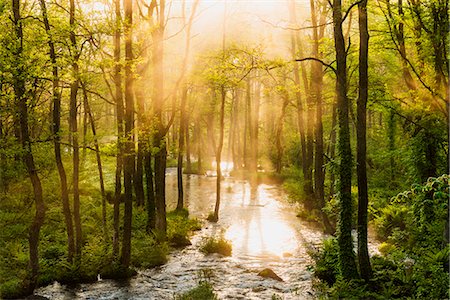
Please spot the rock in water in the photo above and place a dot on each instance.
(268, 273)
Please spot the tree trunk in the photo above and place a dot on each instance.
(27, 155)
(298, 95)
(219, 152)
(363, 198)
(188, 147)
(198, 131)
(279, 134)
(316, 90)
(332, 152)
(129, 144)
(74, 131)
(181, 143)
(120, 135)
(56, 113)
(309, 139)
(141, 149)
(151, 217)
(98, 158)
(346, 255)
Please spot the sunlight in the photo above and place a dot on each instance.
(262, 231)
(225, 166)
(267, 236)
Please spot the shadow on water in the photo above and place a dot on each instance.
(262, 227)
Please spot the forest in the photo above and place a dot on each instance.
(224, 149)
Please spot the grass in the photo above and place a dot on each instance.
(216, 245)
(203, 291)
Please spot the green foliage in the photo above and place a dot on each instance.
(115, 270)
(203, 291)
(179, 226)
(12, 289)
(418, 217)
(326, 260)
(216, 245)
(415, 263)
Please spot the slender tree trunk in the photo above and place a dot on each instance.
(198, 131)
(255, 129)
(27, 155)
(129, 159)
(74, 131)
(141, 148)
(98, 158)
(151, 217)
(120, 132)
(159, 138)
(391, 126)
(184, 130)
(85, 129)
(309, 139)
(298, 95)
(188, 146)
(56, 113)
(316, 90)
(332, 152)
(346, 255)
(219, 152)
(363, 198)
(279, 134)
(181, 143)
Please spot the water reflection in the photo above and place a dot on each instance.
(260, 230)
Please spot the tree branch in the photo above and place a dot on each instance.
(318, 60)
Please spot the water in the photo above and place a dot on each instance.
(263, 229)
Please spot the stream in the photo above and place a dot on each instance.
(263, 229)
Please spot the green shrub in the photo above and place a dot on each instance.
(216, 245)
(115, 270)
(203, 291)
(326, 260)
(179, 227)
(12, 289)
(146, 253)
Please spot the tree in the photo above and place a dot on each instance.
(74, 128)
(184, 128)
(56, 113)
(363, 198)
(20, 101)
(129, 144)
(120, 130)
(346, 254)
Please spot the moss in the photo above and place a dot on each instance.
(212, 218)
(216, 245)
(116, 271)
(204, 291)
